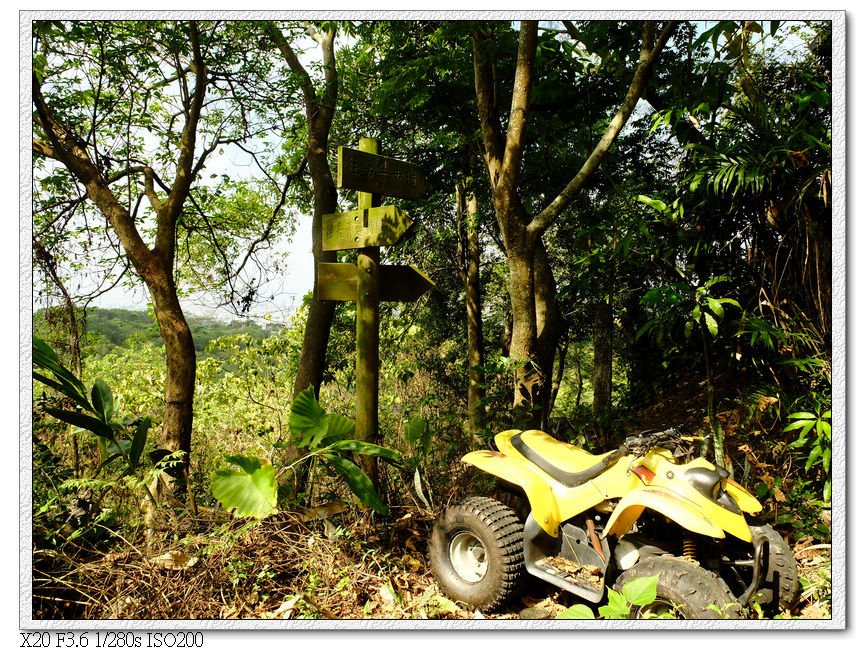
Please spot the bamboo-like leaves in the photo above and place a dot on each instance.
(97, 414)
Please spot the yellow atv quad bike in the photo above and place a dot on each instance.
(646, 508)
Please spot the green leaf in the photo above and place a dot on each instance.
(805, 425)
(367, 449)
(730, 301)
(308, 421)
(688, 327)
(711, 324)
(417, 432)
(86, 422)
(824, 429)
(813, 457)
(358, 481)
(655, 204)
(138, 441)
(65, 382)
(617, 606)
(716, 306)
(250, 492)
(578, 611)
(645, 328)
(802, 415)
(103, 400)
(337, 427)
(60, 388)
(641, 591)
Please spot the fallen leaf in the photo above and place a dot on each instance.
(814, 611)
(174, 560)
(286, 609)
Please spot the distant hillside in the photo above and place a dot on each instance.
(119, 327)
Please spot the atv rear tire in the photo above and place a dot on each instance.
(476, 553)
(685, 590)
(780, 589)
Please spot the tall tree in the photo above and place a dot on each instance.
(81, 156)
(126, 116)
(320, 106)
(469, 258)
(536, 317)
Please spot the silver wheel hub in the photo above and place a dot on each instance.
(468, 557)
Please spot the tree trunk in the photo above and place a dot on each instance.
(602, 377)
(532, 289)
(549, 326)
(467, 215)
(313, 355)
(180, 364)
(524, 337)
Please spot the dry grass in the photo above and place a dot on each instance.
(343, 567)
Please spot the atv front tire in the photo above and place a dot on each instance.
(685, 590)
(476, 553)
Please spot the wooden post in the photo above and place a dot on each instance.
(367, 371)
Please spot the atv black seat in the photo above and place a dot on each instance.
(568, 479)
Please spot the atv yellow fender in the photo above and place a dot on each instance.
(742, 497)
(514, 469)
(686, 513)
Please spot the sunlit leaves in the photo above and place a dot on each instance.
(117, 439)
(249, 491)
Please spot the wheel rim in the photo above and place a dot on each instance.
(469, 557)
(660, 608)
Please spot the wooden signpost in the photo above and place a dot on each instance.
(369, 282)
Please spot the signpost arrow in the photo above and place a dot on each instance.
(398, 283)
(381, 226)
(403, 283)
(369, 172)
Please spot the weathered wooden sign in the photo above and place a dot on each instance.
(399, 283)
(368, 172)
(368, 282)
(382, 226)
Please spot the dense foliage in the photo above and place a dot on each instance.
(686, 280)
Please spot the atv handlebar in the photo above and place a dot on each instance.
(642, 442)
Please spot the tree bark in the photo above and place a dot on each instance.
(313, 356)
(469, 253)
(180, 363)
(602, 376)
(536, 317)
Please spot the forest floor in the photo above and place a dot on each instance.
(338, 562)
(339, 567)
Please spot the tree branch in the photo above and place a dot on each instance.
(167, 217)
(67, 148)
(523, 80)
(310, 99)
(649, 52)
(484, 89)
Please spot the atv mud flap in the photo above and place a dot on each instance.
(569, 562)
(760, 566)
